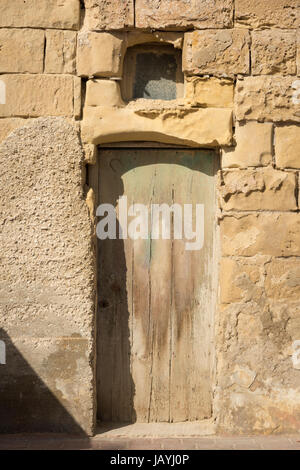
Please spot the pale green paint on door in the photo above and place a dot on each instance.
(155, 307)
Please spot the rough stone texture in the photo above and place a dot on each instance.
(60, 14)
(250, 279)
(258, 323)
(254, 143)
(276, 13)
(283, 282)
(107, 64)
(47, 282)
(90, 154)
(7, 125)
(60, 52)
(266, 98)
(243, 376)
(287, 146)
(108, 14)
(259, 189)
(180, 14)
(261, 233)
(241, 279)
(21, 50)
(208, 127)
(38, 95)
(216, 52)
(275, 402)
(273, 51)
(209, 92)
(103, 93)
(259, 342)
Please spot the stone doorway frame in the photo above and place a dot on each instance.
(206, 426)
(107, 121)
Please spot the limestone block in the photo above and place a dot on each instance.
(209, 92)
(278, 13)
(59, 14)
(258, 189)
(77, 97)
(180, 14)
(216, 52)
(47, 281)
(103, 93)
(241, 325)
(293, 329)
(249, 328)
(261, 233)
(209, 127)
(287, 146)
(37, 95)
(60, 52)
(241, 279)
(273, 51)
(243, 376)
(21, 50)
(109, 14)
(253, 146)
(283, 279)
(274, 408)
(270, 98)
(100, 54)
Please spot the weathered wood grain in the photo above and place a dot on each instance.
(155, 298)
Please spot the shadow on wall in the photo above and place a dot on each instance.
(26, 403)
(115, 386)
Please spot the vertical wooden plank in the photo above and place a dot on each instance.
(151, 299)
(124, 393)
(191, 367)
(161, 302)
(182, 366)
(141, 347)
(115, 385)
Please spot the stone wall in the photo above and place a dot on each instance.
(61, 61)
(47, 285)
(47, 282)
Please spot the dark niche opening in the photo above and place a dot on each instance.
(152, 72)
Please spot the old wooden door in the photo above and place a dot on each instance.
(155, 298)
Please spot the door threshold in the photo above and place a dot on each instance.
(205, 427)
